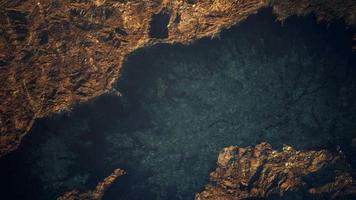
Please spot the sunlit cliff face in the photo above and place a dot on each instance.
(180, 105)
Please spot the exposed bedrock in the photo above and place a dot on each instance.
(99, 190)
(181, 104)
(261, 172)
(54, 54)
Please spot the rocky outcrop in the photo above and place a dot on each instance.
(98, 192)
(260, 172)
(54, 54)
(323, 11)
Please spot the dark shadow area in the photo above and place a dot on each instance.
(158, 25)
(293, 84)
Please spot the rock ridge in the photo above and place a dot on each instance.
(262, 172)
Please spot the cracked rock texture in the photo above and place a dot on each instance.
(99, 190)
(261, 171)
(54, 54)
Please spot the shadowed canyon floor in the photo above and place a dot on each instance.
(180, 105)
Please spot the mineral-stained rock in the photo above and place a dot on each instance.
(97, 193)
(260, 172)
(55, 53)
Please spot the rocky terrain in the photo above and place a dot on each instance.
(54, 54)
(99, 190)
(261, 172)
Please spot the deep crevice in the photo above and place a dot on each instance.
(158, 25)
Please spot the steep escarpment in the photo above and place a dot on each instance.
(261, 171)
(54, 54)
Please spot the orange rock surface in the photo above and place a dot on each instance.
(260, 172)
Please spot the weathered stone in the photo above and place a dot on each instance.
(261, 172)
